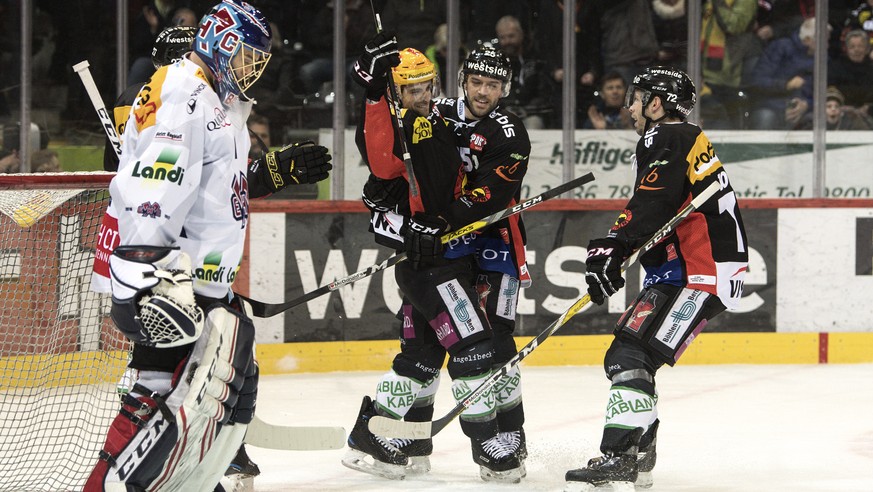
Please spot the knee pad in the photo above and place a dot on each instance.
(627, 356)
(472, 360)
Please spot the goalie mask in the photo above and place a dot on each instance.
(234, 41)
(171, 44)
(674, 87)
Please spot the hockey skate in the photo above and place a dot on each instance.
(240, 475)
(646, 463)
(617, 470)
(418, 451)
(497, 463)
(373, 454)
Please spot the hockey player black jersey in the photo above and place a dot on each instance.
(495, 151)
(708, 251)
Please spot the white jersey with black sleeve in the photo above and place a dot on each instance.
(182, 177)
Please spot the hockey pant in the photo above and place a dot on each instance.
(444, 312)
(179, 431)
(655, 330)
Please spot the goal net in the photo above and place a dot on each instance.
(61, 361)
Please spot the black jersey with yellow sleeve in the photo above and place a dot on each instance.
(708, 251)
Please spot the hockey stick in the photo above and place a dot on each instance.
(81, 68)
(395, 103)
(265, 310)
(259, 433)
(268, 436)
(387, 427)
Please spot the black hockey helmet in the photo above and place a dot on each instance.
(487, 62)
(674, 87)
(171, 44)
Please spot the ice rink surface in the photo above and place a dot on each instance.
(723, 429)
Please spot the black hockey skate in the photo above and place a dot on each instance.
(646, 459)
(516, 442)
(373, 454)
(497, 463)
(418, 451)
(240, 475)
(605, 469)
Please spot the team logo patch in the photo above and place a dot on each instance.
(149, 209)
(623, 219)
(506, 172)
(477, 142)
(671, 252)
(480, 195)
(421, 129)
(239, 199)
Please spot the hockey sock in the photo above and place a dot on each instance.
(395, 394)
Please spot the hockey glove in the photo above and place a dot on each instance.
(422, 239)
(384, 195)
(299, 163)
(371, 68)
(604, 268)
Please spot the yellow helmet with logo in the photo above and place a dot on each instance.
(414, 68)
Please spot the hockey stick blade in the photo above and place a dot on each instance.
(387, 427)
(268, 436)
(265, 310)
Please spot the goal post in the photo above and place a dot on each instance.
(60, 358)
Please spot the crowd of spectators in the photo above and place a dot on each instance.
(756, 55)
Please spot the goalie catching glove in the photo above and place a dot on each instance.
(603, 266)
(153, 296)
(299, 163)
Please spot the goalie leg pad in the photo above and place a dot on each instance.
(188, 439)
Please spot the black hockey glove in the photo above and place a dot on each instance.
(422, 239)
(383, 195)
(604, 268)
(297, 163)
(371, 68)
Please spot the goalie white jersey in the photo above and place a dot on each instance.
(179, 143)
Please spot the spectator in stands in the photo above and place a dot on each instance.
(259, 134)
(782, 79)
(838, 116)
(852, 71)
(10, 163)
(608, 111)
(726, 39)
(861, 18)
(183, 16)
(153, 18)
(781, 18)
(437, 54)
(617, 36)
(531, 86)
(45, 161)
(671, 29)
(274, 91)
(413, 23)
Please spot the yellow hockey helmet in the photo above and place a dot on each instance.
(414, 68)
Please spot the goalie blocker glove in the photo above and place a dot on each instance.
(422, 240)
(153, 296)
(603, 266)
(299, 163)
(371, 69)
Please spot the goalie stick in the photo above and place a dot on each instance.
(387, 427)
(265, 310)
(259, 433)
